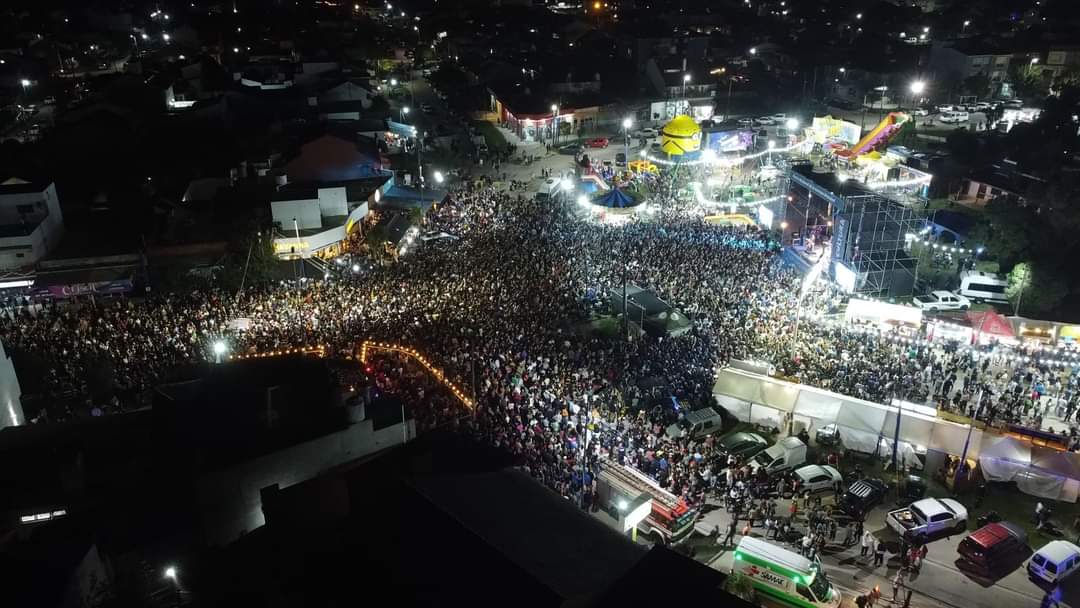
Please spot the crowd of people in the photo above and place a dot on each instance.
(505, 307)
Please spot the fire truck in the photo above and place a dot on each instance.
(671, 521)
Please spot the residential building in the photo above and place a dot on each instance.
(966, 58)
(1002, 180)
(31, 224)
(316, 219)
(1060, 60)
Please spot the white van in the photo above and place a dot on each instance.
(983, 286)
(954, 116)
(784, 455)
(784, 575)
(1056, 560)
(697, 423)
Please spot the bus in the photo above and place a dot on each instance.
(784, 575)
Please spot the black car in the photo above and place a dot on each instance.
(742, 445)
(570, 149)
(862, 496)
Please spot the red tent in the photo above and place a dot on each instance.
(989, 323)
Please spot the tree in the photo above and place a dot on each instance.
(1028, 80)
(1035, 288)
(1004, 229)
(908, 136)
(978, 85)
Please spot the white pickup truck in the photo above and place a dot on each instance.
(929, 516)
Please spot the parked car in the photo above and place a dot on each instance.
(941, 300)
(1055, 561)
(645, 133)
(920, 112)
(862, 496)
(944, 108)
(620, 160)
(597, 142)
(697, 423)
(779, 117)
(742, 445)
(746, 122)
(929, 516)
(817, 478)
(992, 548)
(784, 455)
(765, 120)
(570, 149)
(656, 148)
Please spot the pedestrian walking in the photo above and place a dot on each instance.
(879, 553)
(897, 585)
(733, 526)
(867, 542)
(849, 532)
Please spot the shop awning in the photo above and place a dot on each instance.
(990, 323)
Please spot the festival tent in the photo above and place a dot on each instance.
(615, 199)
(989, 324)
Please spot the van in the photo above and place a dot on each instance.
(992, 548)
(784, 575)
(983, 286)
(548, 189)
(954, 116)
(1054, 562)
(697, 423)
(784, 455)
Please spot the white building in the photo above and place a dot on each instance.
(11, 412)
(315, 219)
(31, 224)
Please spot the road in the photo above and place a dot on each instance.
(939, 584)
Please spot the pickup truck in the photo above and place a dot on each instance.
(926, 517)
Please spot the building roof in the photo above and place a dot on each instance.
(15, 185)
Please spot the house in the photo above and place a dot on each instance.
(1000, 180)
(31, 224)
(1060, 59)
(968, 57)
(316, 219)
(337, 90)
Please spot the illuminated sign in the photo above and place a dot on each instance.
(290, 246)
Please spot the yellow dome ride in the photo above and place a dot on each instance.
(680, 136)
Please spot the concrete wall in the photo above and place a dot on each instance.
(333, 201)
(306, 212)
(230, 501)
(11, 412)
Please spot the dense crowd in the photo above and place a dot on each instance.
(508, 307)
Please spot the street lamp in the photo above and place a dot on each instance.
(626, 122)
(404, 112)
(554, 124)
(170, 573)
(1034, 60)
(685, 81)
(792, 124)
(772, 144)
(439, 177)
(966, 24)
(917, 89)
(753, 50)
(165, 37)
(393, 82)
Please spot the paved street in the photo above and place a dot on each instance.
(939, 583)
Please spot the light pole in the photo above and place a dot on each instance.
(685, 81)
(626, 122)
(772, 144)
(403, 113)
(917, 89)
(554, 124)
(963, 30)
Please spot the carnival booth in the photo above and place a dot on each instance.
(883, 315)
(1039, 471)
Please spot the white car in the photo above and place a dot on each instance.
(765, 120)
(928, 517)
(942, 300)
(746, 122)
(944, 108)
(817, 478)
(645, 133)
(779, 117)
(920, 112)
